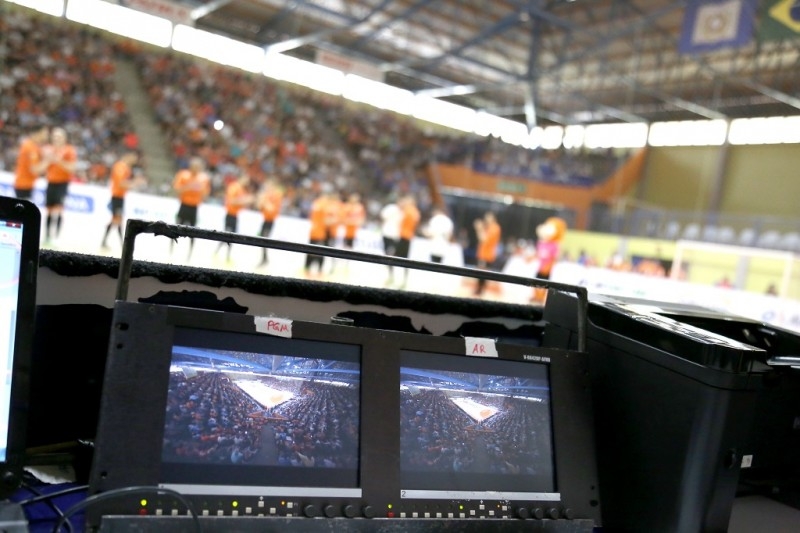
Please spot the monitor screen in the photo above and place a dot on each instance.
(10, 261)
(472, 425)
(249, 410)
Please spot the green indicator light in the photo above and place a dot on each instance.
(389, 506)
(143, 502)
(234, 503)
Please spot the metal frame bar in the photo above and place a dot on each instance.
(135, 227)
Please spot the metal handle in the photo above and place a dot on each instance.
(135, 227)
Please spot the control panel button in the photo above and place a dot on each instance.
(368, 511)
(329, 511)
(349, 511)
(310, 511)
(523, 513)
(538, 513)
(552, 513)
(568, 514)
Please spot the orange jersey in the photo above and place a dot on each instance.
(408, 224)
(192, 188)
(120, 174)
(319, 219)
(234, 194)
(333, 214)
(487, 249)
(29, 155)
(353, 215)
(270, 204)
(56, 173)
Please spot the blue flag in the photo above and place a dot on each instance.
(710, 25)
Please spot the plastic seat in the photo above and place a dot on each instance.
(691, 232)
(769, 239)
(747, 237)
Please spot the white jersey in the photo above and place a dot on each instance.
(440, 232)
(391, 216)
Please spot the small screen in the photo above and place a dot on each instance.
(475, 424)
(10, 260)
(247, 409)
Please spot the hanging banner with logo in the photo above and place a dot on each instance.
(710, 25)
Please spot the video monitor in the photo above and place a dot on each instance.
(339, 421)
(475, 425)
(242, 409)
(19, 251)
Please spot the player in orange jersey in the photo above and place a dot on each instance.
(270, 202)
(30, 164)
(408, 228)
(488, 231)
(318, 234)
(63, 159)
(353, 217)
(193, 186)
(237, 196)
(122, 180)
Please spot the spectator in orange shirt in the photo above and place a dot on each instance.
(488, 231)
(270, 202)
(318, 234)
(122, 180)
(62, 159)
(237, 196)
(30, 164)
(193, 186)
(408, 228)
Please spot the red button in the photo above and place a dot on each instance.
(390, 514)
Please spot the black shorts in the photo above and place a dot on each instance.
(117, 206)
(266, 228)
(23, 194)
(389, 245)
(187, 215)
(403, 247)
(56, 192)
(230, 223)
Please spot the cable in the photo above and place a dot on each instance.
(56, 509)
(56, 494)
(128, 491)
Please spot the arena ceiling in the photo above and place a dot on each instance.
(560, 61)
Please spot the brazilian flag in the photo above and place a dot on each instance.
(780, 19)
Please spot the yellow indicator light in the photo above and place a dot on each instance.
(460, 507)
(143, 502)
(234, 503)
(389, 506)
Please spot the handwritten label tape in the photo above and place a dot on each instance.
(280, 327)
(478, 347)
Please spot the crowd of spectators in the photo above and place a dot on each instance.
(318, 427)
(492, 156)
(63, 75)
(438, 436)
(237, 122)
(210, 420)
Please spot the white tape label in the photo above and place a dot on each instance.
(280, 327)
(478, 347)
